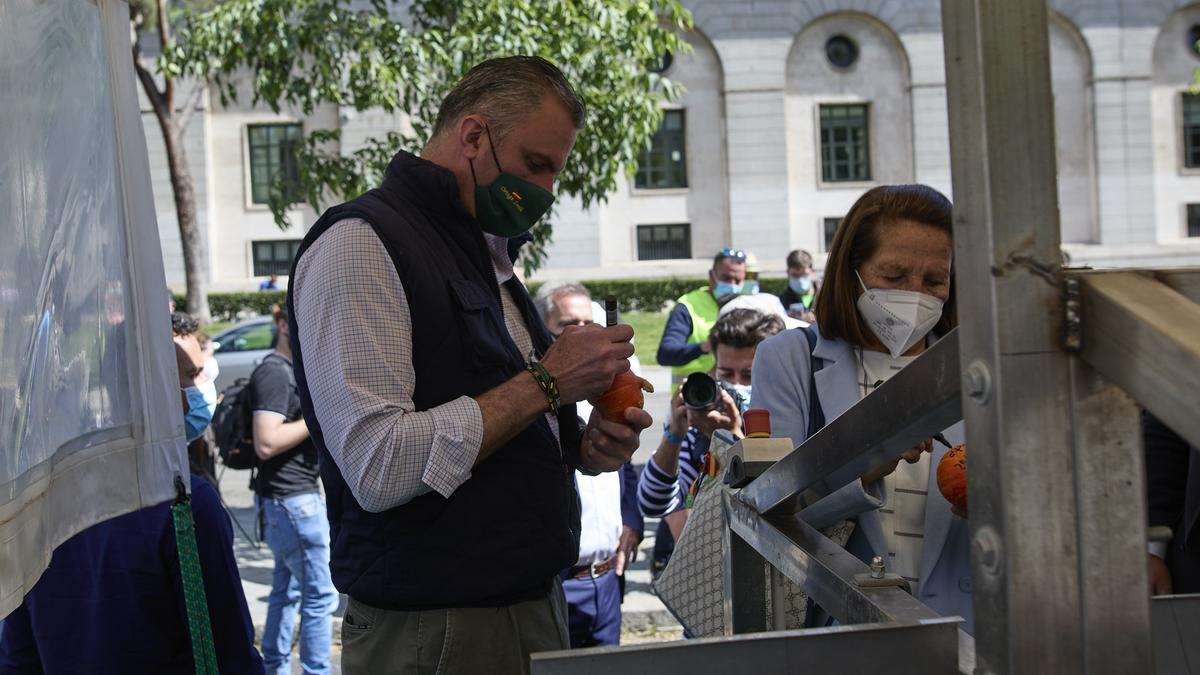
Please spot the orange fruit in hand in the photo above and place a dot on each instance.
(952, 477)
(625, 392)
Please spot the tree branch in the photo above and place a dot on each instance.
(189, 108)
(164, 42)
(156, 97)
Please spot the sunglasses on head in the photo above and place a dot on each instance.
(733, 253)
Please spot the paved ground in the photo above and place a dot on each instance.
(643, 616)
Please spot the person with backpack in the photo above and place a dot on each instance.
(887, 295)
(297, 530)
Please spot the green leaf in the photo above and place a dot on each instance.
(304, 54)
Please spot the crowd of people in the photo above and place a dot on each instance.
(427, 444)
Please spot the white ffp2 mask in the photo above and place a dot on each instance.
(898, 318)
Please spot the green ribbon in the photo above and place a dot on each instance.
(204, 651)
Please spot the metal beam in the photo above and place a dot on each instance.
(1025, 551)
(1185, 280)
(1176, 621)
(745, 603)
(921, 400)
(927, 648)
(824, 570)
(1112, 524)
(1142, 336)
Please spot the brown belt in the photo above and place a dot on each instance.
(594, 570)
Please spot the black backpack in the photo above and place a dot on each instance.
(233, 426)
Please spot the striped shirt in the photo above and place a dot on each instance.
(659, 492)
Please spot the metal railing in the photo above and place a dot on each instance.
(1043, 370)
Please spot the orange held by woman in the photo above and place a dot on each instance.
(952, 478)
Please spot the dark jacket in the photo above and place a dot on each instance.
(508, 530)
(111, 600)
(1173, 495)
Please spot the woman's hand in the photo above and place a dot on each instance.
(912, 456)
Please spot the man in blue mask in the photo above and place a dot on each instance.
(684, 345)
(443, 412)
(801, 292)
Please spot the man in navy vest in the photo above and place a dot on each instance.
(444, 418)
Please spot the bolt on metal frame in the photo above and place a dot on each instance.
(1041, 368)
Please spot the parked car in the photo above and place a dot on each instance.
(241, 347)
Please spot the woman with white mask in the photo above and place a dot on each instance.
(887, 295)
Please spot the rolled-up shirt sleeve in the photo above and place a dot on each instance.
(355, 333)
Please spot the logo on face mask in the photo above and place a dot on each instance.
(899, 319)
(514, 197)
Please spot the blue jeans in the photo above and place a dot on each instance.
(298, 533)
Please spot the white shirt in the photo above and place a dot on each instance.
(600, 516)
(356, 328)
(906, 489)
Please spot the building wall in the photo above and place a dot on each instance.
(1173, 66)
(754, 80)
(880, 79)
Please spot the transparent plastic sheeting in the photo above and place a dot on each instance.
(64, 371)
(90, 415)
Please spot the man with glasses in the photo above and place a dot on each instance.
(684, 344)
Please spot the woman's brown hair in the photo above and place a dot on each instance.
(856, 240)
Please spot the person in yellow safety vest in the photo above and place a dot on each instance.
(684, 344)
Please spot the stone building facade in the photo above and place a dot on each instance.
(793, 109)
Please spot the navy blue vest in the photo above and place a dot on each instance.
(505, 532)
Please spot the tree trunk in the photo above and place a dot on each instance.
(191, 239)
(171, 123)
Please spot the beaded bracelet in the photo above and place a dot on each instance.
(547, 384)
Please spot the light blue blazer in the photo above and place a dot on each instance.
(782, 367)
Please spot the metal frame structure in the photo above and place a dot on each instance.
(1042, 370)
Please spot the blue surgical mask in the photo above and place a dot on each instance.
(199, 413)
(724, 288)
(800, 285)
(750, 287)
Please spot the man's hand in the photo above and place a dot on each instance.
(912, 456)
(1160, 575)
(627, 548)
(585, 359)
(607, 445)
(724, 416)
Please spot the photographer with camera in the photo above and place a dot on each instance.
(704, 403)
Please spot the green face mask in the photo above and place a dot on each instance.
(509, 206)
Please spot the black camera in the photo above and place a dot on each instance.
(701, 392)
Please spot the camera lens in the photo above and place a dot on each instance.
(699, 391)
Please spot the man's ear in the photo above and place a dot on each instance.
(471, 136)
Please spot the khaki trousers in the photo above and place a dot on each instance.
(454, 641)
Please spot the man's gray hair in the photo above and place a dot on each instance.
(551, 291)
(506, 89)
